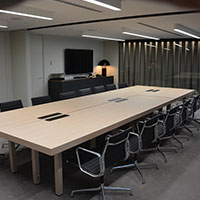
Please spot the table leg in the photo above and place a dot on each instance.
(12, 156)
(35, 166)
(58, 173)
(168, 106)
(93, 143)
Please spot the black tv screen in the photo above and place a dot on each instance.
(78, 61)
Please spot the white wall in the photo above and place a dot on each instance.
(111, 53)
(5, 68)
(53, 52)
(21, 66)
(19, 57)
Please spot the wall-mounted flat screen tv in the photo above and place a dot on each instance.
(78, 61)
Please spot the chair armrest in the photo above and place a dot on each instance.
(95, 154)
(135, 134)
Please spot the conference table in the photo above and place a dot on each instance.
(84, 118)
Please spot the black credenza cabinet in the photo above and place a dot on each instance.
(56, 86)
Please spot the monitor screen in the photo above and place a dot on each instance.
(78, 61)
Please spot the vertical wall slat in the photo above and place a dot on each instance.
(163, 65)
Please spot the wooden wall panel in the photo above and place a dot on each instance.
(163, 63)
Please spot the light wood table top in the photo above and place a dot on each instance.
(89, 117)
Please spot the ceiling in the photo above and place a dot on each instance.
(66, 13)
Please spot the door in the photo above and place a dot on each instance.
(37, 67)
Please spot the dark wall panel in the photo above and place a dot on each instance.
(163, 63)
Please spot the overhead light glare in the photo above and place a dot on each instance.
(167, 49)
(2, 26)
(102, 38)
(142, 36)
(105, 5)
(178, 45)
(186, 33)
(150, 45)
(25, 15)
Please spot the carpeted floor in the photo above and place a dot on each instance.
(179, 179)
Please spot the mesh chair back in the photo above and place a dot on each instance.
(169, 120)
(111, 87)
(194, 105)
(147, 131)
(68, 95)
(122, 85)
(41, 100)
(99, 89)
(10, 105)
(185, 111)
(117, 148)
(85, 91)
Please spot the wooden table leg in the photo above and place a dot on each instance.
(58, 173)
(12, 156)
(35, 166)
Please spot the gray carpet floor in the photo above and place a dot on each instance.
(179, 179)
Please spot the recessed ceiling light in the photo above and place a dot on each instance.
(142, 36)
(105, 5)
(2, 26)
(102, 38)
(25, 15)
(186, 31)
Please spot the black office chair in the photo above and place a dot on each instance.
(94, 163)
(99, 89)
(8, 106)
(122, 85)
(193, 107)
(111, 87)
(68, 95)
(175, 119)
(170, 119)
(85, 91)
(145, 140)
(184, 112)
(41, 100)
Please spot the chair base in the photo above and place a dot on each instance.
(176, 138)
(158, 149)
(137, 166)
(102, 188)
(197, 122)
(169, 149)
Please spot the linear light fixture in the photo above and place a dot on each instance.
(142, 36)
(150, 45)
(105, 5)
(167, 49)
(186, 31)
(102, 38)
(178, 45)
(2, 26)
(25, 15)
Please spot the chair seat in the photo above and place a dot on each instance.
(92, 166)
